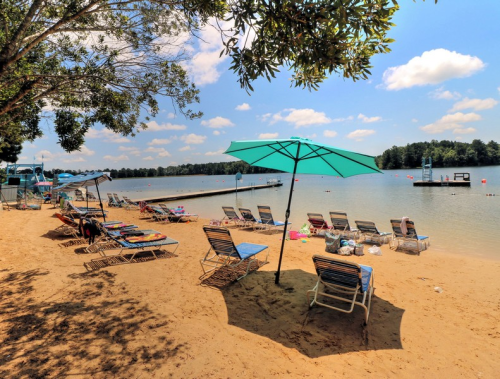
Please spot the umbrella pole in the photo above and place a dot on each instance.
(100, 202)
(287, 215)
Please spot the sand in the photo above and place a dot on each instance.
(61, 316)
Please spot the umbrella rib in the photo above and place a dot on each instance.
(288, 155)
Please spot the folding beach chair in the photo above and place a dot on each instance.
(225, 253)
(177, 217)
(91, 196)
(340, 225)
(71, 209)
(317, 223)
(129, 204)
(369, 232)
(79, 195)
(111, 201)
(345, 282)
(267, 220)
(132, 242)
(121, 203)
(231, 215)
(410, 240)
(249, 218)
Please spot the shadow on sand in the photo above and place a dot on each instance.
(281, 313)
(82, 330)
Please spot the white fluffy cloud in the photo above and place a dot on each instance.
(193, 139)
(130, 150)
(218, 152)
(268, 135)
(186, 148)
(243, 107)
(118, 158)
(158, 141)
(450, 122)
(366, 119)
(300, 117)
(464, 131)
(159, 150)
(164, 154)
(153, 126)
(432, 67)
(330, 133)
(359, 134)
(441, 94)
(217, 122)
(203, 65)
(148, 158)
(73, 160)
(475, 104)
(216, 133)
(106, 135)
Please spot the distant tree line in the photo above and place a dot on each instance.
(443, 153)
(221, 168)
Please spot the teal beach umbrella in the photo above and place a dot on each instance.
(301, 156)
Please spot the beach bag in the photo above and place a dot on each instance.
(345, 250)
(332, 242)
(305, 230)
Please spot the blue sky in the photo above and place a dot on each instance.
(441, 81)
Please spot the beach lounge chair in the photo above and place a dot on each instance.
(71, 209)
(249, 218)
(317, 223)
(121, 203)
(79, 195)
(223, 252)
(340, 225)
(370, 233)
(232, 216)
(111, 201)
(267, 220)
(177, 217)
(91, 196)
(130, 204)
(345, 282)
(410, 240)
(130, 243)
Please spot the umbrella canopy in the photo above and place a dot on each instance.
(302, 156)
(84, 180)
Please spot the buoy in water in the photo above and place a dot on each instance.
(483, 181)
(149, 185)
(411, 177)
(296, 180)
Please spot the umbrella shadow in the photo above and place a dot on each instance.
(281, 313)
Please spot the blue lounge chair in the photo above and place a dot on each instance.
(267, 220)
(70, 208)
(232, 216)
(125, 247)
(410, 240)
(344, 281)
(225, 253)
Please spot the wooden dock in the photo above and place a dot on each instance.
(193, 195)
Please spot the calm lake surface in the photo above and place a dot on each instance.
(458, 220)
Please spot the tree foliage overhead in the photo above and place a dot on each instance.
(443, 153)
(105, 62)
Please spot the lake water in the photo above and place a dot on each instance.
(459, 220)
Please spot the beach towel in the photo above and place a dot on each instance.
(404, 229)
(146, 238)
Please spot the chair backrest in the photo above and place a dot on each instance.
(117, 199)
(338, 272)
(367, 227)
(220, 240)
(317, 220)
(110, 198)
(339, 221)
(410, 227)
(266, 217)
(247, 214)
(230, 212)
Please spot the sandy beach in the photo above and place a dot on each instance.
(63, 315)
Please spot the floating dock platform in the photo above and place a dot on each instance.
(194, 195)
(460, 179)
(438, 183)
